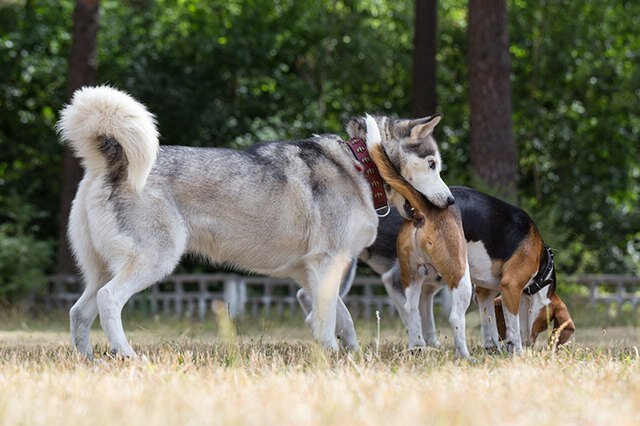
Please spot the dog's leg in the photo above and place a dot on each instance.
(304, 301)
(510, 307)
(347, 280)
(324, 278)
(429, 290)
(461, 298)
(345, 329)
(526, 318)
(139, 273)
(488, 324)
(84, 312)
(391, 282)
(414, 323)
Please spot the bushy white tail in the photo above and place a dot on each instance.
(99, 112)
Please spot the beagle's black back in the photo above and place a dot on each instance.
(499, 225)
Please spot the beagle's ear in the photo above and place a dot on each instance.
(425, 127)
(562, 321)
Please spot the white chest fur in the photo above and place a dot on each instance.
(480, 266)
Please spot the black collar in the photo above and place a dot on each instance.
(358, 148)
(545, 276)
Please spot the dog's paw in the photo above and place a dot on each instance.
(492, 346)
(417, 342)
(433, 342)
(513, 348)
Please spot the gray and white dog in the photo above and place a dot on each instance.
(301, 210)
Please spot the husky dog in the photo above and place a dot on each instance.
(301, 210)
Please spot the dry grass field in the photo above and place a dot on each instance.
(272, 374)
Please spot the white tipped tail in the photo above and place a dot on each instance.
(96, 113)
(373, 132)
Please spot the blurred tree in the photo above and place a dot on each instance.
(82, 72)
(492, 148)
(230, 73)
(424, 100)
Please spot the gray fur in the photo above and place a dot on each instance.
(299, 210)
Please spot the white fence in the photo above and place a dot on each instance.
(611, 290)
(191, 295)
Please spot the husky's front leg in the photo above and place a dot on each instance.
(324, 276)
(345, 329)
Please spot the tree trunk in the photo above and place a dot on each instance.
(492, 148)
(82, 72)
(424, 58)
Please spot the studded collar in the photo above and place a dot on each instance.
(358, 148)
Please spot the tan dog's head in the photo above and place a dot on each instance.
(558, 313)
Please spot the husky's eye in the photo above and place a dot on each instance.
(432, 164)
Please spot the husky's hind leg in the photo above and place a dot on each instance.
(84, 312)
(112, 297)
(140, 271)
(94, 271)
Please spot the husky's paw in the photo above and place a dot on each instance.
(417, 342)
(513, 348)
(433, 342)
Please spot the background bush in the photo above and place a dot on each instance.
(229, 73)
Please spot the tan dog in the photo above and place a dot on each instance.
(432, 241)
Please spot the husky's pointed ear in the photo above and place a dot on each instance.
(425, 127)
(356, 127)
(373, 132)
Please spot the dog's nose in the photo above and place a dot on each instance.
(451, 200)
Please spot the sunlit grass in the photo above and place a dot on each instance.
(271, 372)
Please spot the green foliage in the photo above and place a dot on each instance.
(237, 71)
(23, 258)
(34, 39)
(228, 73)
(577, 122)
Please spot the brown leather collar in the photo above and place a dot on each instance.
(359, 149)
